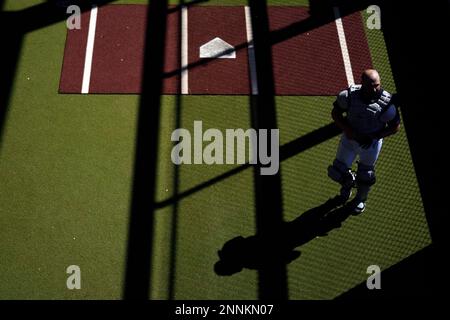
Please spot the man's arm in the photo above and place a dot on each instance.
(341, 121)
(390, 129)
(392, 118)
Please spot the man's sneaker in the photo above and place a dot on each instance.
(357, 207)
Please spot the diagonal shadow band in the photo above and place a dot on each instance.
(286, 151)
(50, 12)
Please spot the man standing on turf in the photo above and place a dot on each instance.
(370, 117)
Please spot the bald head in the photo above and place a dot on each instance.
(371, 83)
(370, 75)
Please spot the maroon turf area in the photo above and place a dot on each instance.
(309, 63)
(74, 54)
(118, 49)
(358, 47)
(217, 76)
(118, 58)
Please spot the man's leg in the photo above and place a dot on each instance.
(340, 171)
(365, 175)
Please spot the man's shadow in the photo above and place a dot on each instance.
(260, 252)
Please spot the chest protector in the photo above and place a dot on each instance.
(364, 116)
